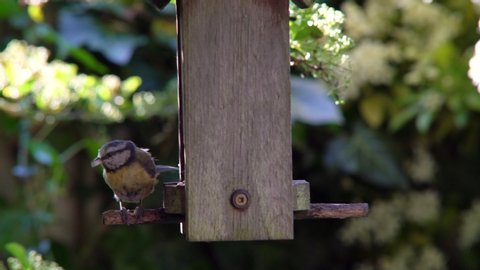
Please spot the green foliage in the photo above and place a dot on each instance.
(410, 48)
(408, 109)
(384, 226)
(57, 105)
(33, 87)
(79, 30)
(23, 260)
(363, 153)
(409, 85)
(319, 46)
(311, 103)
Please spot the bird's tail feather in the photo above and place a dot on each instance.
(165, 168)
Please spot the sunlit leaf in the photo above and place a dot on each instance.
(36, 13)
(319, 45)
(19, 252)
(373, 109)
(131, 84)
(88, 60)
(147, 104)
(165, 32)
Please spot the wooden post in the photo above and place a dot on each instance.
(174, 198)
(235, 119)
(301, 195)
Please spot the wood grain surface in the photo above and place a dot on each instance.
(235, 107)
(316, 211)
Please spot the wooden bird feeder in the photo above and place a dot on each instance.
(235, 127)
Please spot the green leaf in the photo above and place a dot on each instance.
(88, 60)
(366, 155)
(19, 252)
(401, 118)
(461, 118)
(65, 49)
(36, 13)
(9, 8)
(424, 121)
(131, 84)
(373, 109)
(311, 103)
(80, 29)
(43, 152)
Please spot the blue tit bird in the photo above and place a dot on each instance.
(130, 172)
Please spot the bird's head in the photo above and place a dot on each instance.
(115, 154)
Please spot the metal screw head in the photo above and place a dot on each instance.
(240, 199)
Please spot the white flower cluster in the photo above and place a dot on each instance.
(381, 225)
(474, 63)
(474, 67)
(389, 32)
(35, 262)
(385, 224)
(422, 166)
(410, 258)
(470, 229)
(415, 204)
(55, 87)
(372, 20)
(386, 218)
(19, 64)
(319, 46)
(374, 69)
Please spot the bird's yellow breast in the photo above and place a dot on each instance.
(130, 183)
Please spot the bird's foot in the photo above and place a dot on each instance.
(138, 213)
(124, 215)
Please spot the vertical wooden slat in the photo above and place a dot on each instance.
(235, 106)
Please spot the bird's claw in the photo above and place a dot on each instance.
(124, 215)
(138, 213)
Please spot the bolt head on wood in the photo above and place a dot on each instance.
(240, 199)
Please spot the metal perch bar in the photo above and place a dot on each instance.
(317, 211)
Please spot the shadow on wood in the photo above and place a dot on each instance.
(114, 217)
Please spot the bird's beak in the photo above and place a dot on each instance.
(97, 161)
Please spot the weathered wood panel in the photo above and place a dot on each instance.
(333, 210)
(235, 108)
(301, 195)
